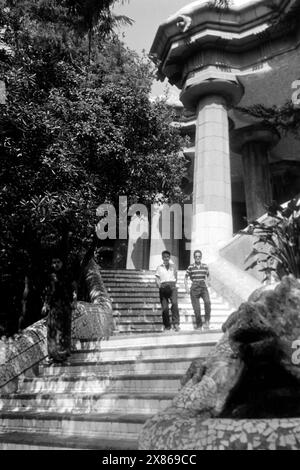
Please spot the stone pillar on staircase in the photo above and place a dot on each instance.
(166, 230)
(138, 242)
(254, 144)
(211, 92)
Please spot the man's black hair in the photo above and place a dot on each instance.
(197, 251)
(166, 252)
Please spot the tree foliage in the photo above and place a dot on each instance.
(78, 129)
(285, 118)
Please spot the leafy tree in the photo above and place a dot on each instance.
(78, 129)
(285, 118)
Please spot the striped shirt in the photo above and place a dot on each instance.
(198, 273)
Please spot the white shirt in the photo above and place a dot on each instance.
(166, 275)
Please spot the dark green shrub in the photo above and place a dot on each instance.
(277, 248)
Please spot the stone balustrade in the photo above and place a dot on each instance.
(22, 354)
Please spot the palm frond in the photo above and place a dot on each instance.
(280, 239)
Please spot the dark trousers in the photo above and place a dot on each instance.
(168, 291)
(197, 291)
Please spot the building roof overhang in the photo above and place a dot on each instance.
(239, 28)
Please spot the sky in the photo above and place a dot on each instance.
(147, 16)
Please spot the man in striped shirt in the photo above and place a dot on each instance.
(199, 274)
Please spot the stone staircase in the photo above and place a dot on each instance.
(137, 307)
(102, 399)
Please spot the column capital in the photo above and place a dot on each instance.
(211, 81)
(255, 133)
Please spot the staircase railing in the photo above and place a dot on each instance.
(21, 354)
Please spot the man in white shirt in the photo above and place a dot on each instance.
(166, 278)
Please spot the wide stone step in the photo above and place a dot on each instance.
(145, 302)
(44, 441)
(147, 295)
(136, 275)
(189, 352)
(156, 305)
(156, 309)
(123, 287)
(100, 425)
(137, 383)
(129, 328)
(116, 368)
(132, 273)
(148, 291)
(128, 279)
(151, 324)
(170, 338)
(123, 281)
(154, 324)
(128, 272)
(87, 403)
(129, 331)
(156, 316)
(142, 284)
(187, 323)
(144, 352)
(148, 315)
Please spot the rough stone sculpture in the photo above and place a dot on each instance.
(246, 394)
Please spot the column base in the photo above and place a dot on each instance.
(212, 230)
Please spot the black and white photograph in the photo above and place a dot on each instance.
(150, 228)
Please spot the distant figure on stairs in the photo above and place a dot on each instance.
(199, 275)
(59, 303)
(166, 278)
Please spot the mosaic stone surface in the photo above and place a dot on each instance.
(183, 430)
(21, 354)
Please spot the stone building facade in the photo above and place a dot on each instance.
(223, 60)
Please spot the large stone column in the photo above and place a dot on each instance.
(212, 92)
(254, 143)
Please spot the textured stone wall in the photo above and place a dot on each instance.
(22, 354)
